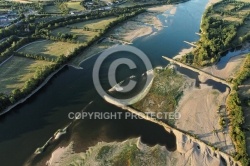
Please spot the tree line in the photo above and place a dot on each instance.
(42, 73)
(234, 106)
(8, 51)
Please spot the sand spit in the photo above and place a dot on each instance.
(183, 52)
(230, 68)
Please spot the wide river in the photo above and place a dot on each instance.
(32, 123)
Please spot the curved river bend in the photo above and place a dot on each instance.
(32, 123)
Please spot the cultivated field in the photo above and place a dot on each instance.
(75, 6)
(83, 35)
(15, 72)
(50, 49)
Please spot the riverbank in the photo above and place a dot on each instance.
(185, 51)
(202, 109)
(193, 149)
(189, 150)
(144, 24)
(33, 92)
(230, 68)
(33, 82)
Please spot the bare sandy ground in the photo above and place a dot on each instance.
(132, 30)
(198, 108)
(229, 70)
(183, 52)
(59, 154)
(89, 52)
(162, 8)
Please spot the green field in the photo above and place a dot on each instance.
(50, 49)
(52, 9)
(15, 72)
(82, 35)
(95, 24)
(75, 6)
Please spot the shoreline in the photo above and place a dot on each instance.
(44, 83)
(188, 50)
(8, 109)
(140, 28)
(184, 141)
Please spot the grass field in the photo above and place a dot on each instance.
(77, 29)
(82, 36)
(50, 49)
(16, 71)
(95, 24)
(244, 29)
(75, 6)
(52, 9)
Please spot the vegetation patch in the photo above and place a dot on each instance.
(51, 9)
(49, 49)
(97, 24)
(15, 72)
(237, 120)
(224, 25)
(77, 34)
(164, 94)
(83, 31)
(127, 156)
(75, 6)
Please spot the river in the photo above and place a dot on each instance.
(32, 123)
